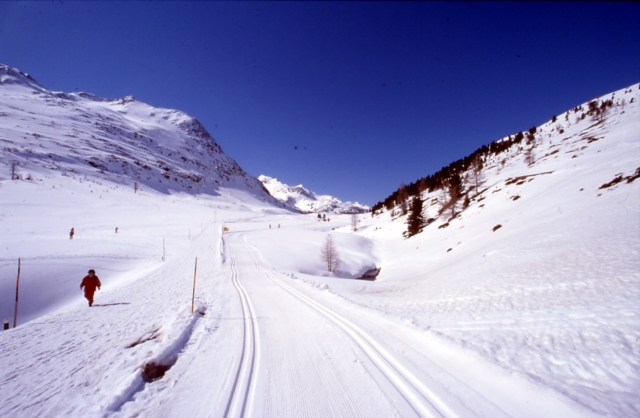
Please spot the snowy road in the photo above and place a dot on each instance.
(407, 392)
(317, 355)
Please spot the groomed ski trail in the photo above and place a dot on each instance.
(242, 393)
(423, 401)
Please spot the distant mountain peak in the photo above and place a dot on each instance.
(10, 75)
(304, 200)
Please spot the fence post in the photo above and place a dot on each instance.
(193, 297)
(6, 324)
(15, 312)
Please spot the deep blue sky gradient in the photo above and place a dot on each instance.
(371, 94)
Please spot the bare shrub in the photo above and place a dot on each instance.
(529, 156)
(14, 171)
(476, 174)
(329, 254)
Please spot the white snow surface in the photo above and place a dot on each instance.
(539, 318)
(119, 140)
(306, 201)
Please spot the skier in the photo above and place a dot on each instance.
(116, 229)
(90, 282)
(71, 234)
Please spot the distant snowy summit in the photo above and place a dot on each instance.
(305, 200)
(120, 140)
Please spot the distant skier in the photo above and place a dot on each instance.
(90, 282)
(71, 234)
(116, 229)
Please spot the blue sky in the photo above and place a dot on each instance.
(349, 99)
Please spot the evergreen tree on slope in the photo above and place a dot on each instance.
(415, 220)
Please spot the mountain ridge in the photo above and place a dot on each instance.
(121, 140)
(306, 201)
(454, 182)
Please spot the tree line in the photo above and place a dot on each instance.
(452, 178)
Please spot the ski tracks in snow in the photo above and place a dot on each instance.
(421, 399)
(240, 401)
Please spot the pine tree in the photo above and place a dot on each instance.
(415, 220)
(403, 196)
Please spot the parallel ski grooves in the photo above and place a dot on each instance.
(242, 391)
(420, 397)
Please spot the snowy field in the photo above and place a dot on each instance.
(539, 318)
(311, 353)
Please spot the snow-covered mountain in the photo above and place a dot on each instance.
(120, 140)
(539, 269)
(306, 201)
(555, 152)
(524, 303)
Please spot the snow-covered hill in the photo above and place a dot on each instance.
(524, 304)
(306, 201)
(118, 140)
(540, 273)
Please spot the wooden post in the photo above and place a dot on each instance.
(6, 324)
(15, 312)
(193, 298)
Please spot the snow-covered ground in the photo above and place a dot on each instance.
(306, 201)
(538, 318)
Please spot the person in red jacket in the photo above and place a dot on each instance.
(90, 282)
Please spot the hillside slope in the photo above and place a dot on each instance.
(119, 140)
(540, 273)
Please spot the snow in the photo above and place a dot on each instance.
(306, 201)
(538, 318)
(122, 141)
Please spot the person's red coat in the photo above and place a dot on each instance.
(90, 283)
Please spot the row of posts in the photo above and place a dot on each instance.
(15, 312)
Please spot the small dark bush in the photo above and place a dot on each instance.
(495, 228)
(154, 371)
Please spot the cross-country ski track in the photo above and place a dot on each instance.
(242, 388)
(260, 344)
(365, 370)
